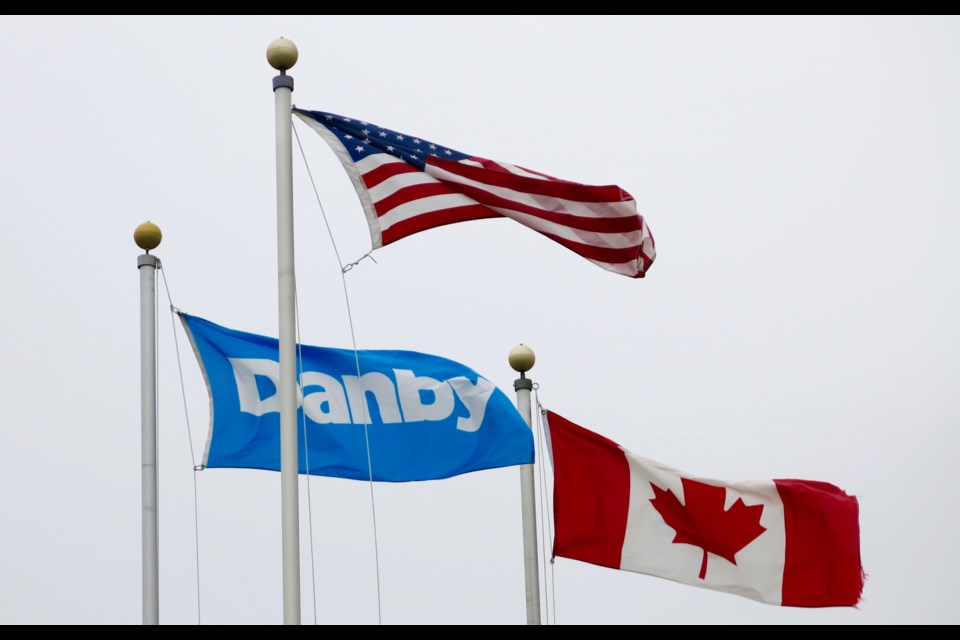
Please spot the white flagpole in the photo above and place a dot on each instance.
(521, 360)
(282, 55)
(148, 236)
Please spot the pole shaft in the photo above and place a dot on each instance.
(528, 506)
(147, 265)
(289, 465)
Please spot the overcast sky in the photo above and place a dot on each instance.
(799, 176)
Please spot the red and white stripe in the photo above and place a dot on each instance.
(808, 554)
(600, 223)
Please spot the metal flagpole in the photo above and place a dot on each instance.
(521, 360)
(282, 55)
(148, 236)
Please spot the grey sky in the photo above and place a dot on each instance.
(800, 321)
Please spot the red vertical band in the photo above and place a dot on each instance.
(822, 566)
(591, 495)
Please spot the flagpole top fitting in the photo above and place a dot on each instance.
(147, 236)
(282, 54)
(522, 358)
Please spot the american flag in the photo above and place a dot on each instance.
(408, 184)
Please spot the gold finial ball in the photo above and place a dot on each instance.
(282, 54)
(522, 358)
(147, 236)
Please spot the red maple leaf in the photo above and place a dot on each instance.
(704, 523)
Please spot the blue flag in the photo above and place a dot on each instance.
(428, 417)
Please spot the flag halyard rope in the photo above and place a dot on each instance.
(546, 509)
(174, 311)
(306, 455)
(353, 337)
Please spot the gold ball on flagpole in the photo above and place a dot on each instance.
(147, 236)
(282, 54)
(522, 358)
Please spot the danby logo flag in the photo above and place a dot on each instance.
(782, 542)
(426, 417)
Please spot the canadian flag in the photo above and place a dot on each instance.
(782, 542)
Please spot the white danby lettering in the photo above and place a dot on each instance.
(383, 391)
(246, 370)
(475, 397)
(329, 400)
(328, 405)
(411, 388)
